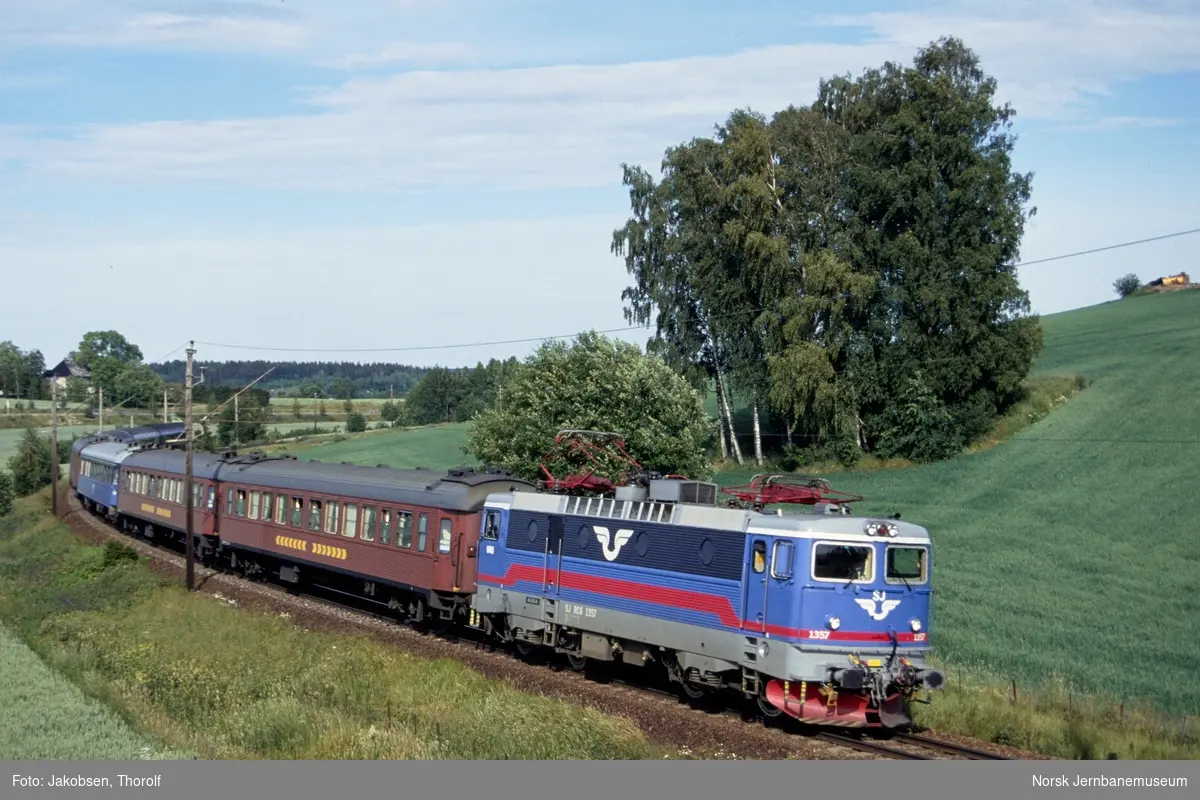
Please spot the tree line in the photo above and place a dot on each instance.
(340, 380)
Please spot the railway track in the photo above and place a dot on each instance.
(917, 744)
(915, 747)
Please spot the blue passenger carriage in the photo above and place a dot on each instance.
(99, 474)
(821, 616)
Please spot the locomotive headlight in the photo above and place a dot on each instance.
(916, 626)
(834, 623)
(763, 649)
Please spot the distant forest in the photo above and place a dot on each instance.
(304, 379)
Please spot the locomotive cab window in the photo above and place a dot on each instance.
(444, 536)
(760, 557)
(906, 565)
(843, 562)
(491, 525)
(781, 560)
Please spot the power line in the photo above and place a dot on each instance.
(528, 340)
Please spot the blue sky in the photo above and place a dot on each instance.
(328, 175)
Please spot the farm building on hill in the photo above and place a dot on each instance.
(64, 370)
(1179, 279)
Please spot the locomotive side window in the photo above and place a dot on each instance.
(491, 525)
(422, 527)
(843, 562)
(781, 560)
(444, 536)
(760, 557)
(906, 565)
(403, 529)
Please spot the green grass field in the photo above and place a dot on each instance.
(46, 717)
(269, 689)
(434, 447)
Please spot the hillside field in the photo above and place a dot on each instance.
(1066, 551)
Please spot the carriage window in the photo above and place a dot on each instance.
(403, 529)
(314, 515)
(281, 509)
(241, 502)
(444, 536)
(351, 528)
(229, 502)
(212, 497)
(267, 508)
(297, 511)
(385, 526)
(331, 517)
(422, 526)
(781, 560)
(843, 562)
(368, 528)
(255, 502)
(760, 557)
(491, 525)
(905, 565)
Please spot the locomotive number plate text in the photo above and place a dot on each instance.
(579, 611)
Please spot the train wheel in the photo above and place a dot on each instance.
(525, 649)
(577, 662)
(692, 691)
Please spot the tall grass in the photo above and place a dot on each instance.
(222, 682)
(46, 717)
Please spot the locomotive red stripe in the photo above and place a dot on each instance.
(716, 605)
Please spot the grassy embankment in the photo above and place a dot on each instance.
(144, 647)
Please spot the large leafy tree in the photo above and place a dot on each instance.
(21, 372)
(937, 218)
(116, 367)
(600, 384)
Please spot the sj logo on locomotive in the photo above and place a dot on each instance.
(611, 545)
(885, 605)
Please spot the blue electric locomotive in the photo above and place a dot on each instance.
(821, 616)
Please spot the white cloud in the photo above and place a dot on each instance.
(570, 126)
(410, 53)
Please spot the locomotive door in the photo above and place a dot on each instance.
(754, 606)
(552, 569)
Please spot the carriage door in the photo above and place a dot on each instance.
(552, 570)
(464, 558)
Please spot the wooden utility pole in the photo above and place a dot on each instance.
(237, 429)
(165, 406)
(187, 424)
(101, 391)
(54, 446)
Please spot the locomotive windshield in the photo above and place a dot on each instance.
(906, 565)
(842, 562)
